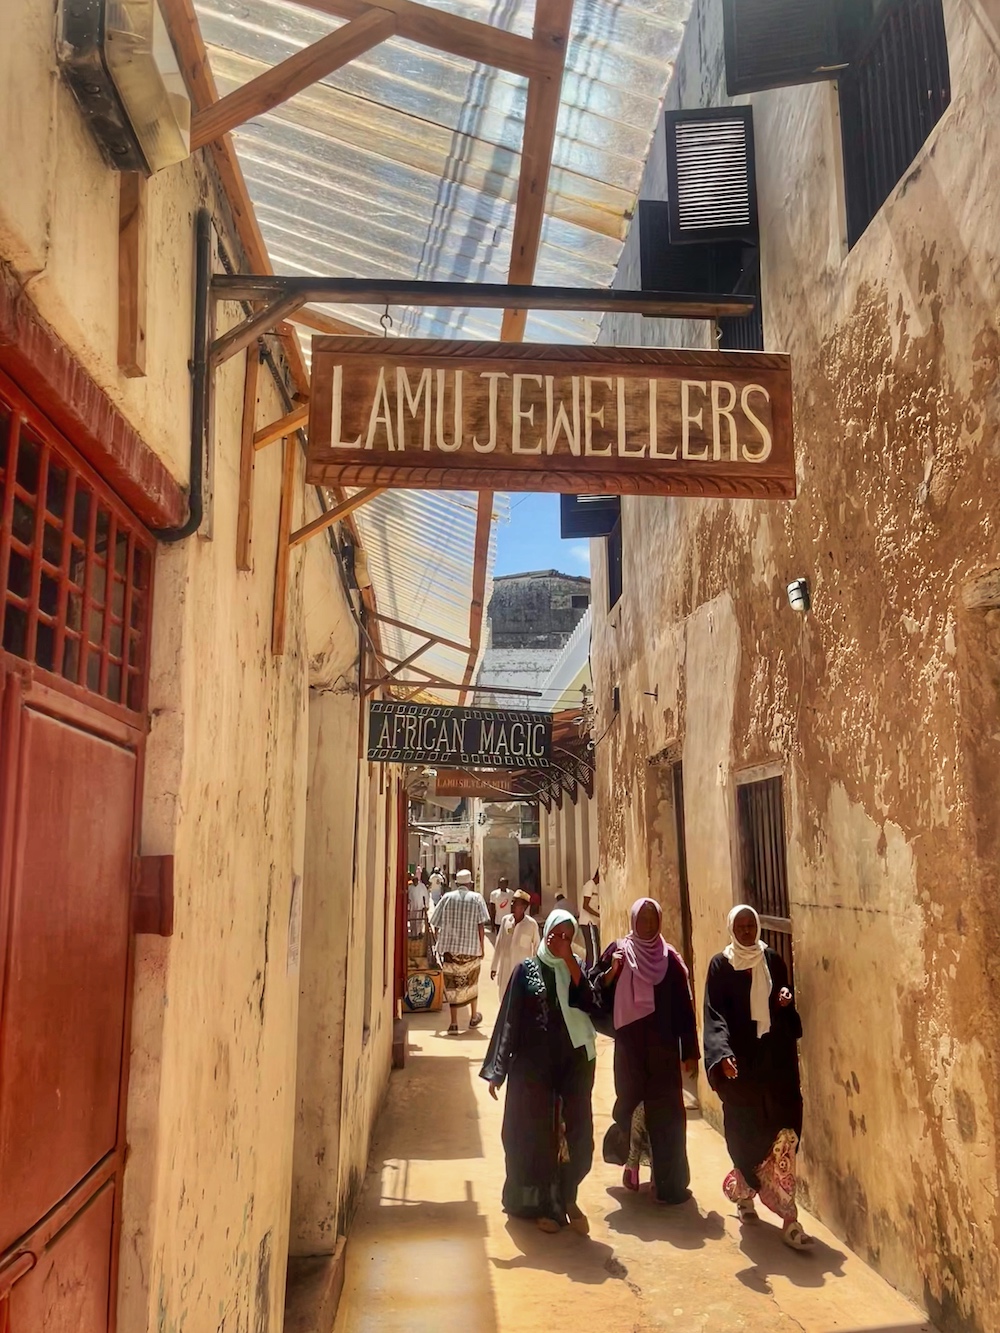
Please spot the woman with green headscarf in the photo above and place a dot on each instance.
(543, 1046)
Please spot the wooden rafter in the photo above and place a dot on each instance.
(480, 557)
(415, 629)
(286, 425)
(189, 46)
(244, 512)
(334, 515)
(458, 36)
(551, 33)
(291, 76)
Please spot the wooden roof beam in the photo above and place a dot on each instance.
(551, 33)
(291, 76)
(481, 42)
(189, 46)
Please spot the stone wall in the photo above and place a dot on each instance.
(535, 610)
(879, 708)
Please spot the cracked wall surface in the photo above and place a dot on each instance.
(880, 708)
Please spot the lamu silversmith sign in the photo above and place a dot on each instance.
(439, 734)
(522, 417)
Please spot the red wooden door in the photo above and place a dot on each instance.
(66, 830)
(75, 595)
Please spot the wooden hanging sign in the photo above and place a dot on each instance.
(492, 786)
(583, 420)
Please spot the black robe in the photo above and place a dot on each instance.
(549, 1086)
(766, 1096)
(648, 1055)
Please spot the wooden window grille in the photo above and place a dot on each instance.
(75, 565)
(761, 813)
(891, 97)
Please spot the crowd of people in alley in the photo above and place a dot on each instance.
(558, 989)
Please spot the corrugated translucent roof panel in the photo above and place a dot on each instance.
(419, 549)
(405, 164)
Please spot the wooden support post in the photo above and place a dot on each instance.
(335, 514)
(244, 333)
(551, 32)
(484, 521)
(291, 76)
(285, 425)
(244, 514)
(284, 550)
(132, 246)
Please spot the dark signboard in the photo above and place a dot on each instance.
(439, 734)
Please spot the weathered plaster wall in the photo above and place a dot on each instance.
(881, 705)
(211, 1111)
(343, 1068)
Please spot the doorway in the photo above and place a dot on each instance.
(75, 570)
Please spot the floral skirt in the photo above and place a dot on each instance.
(461, 978)
(777, 1179)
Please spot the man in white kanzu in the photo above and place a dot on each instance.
(459, 923)
(419, 900)
(517, 940)
(590, 917)
(500, 901)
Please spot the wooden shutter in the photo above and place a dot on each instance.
(778, 43)
(588, 515)
(709, 269)
(711, 189)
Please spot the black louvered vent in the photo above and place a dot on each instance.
(745, 334)
(708, 269)
(588, 515)
(711, 188)
(777, 43)
(890, 100)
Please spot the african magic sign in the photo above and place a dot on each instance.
(583, 420)
(401, 733)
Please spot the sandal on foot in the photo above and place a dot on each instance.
(547, 1224)
(578, 1220)
(794, 1237)
(630, 1179)
(475, 1020)
(453, 1028)
(746, 1210)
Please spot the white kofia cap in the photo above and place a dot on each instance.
(463, 877)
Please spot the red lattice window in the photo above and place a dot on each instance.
(75, 565)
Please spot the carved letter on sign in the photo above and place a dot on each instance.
(522, 417)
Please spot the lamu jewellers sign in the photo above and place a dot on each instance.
(438, 734)
(522, 417)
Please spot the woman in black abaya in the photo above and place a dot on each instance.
(543, 1046)
(751, 1059)
(647, 988)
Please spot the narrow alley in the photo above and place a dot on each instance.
(431, 1251)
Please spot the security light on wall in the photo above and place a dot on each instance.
(117, 57)
(798, 595)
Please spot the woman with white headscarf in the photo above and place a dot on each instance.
(543, 1047)
(751, 1059)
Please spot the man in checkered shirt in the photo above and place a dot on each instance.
(459, 923)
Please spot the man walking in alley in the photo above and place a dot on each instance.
(590, 917)
(459, 923)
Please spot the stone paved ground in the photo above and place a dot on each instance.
(431, 1252)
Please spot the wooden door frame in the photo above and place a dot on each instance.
(27, 687)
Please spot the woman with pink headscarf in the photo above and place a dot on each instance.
(656, 1042)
